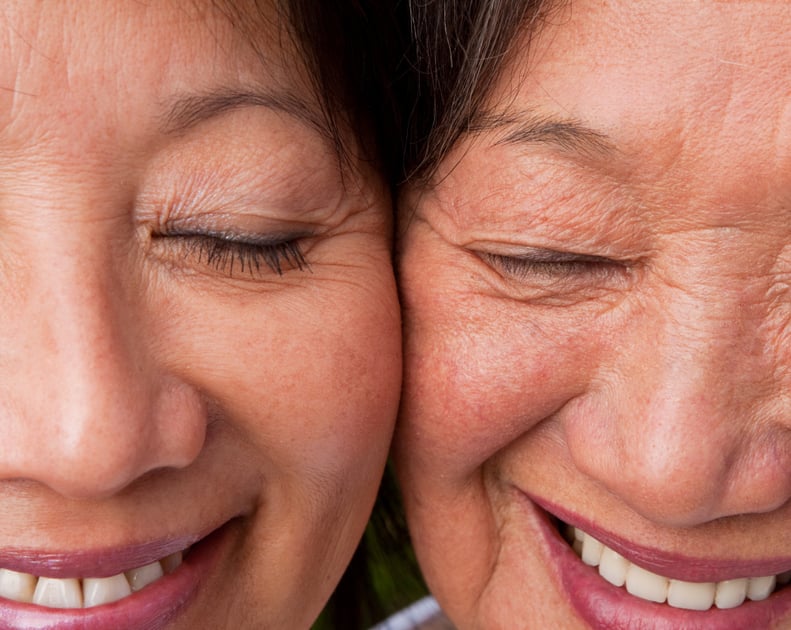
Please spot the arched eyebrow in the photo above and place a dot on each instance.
(188, 110)
(565, 134)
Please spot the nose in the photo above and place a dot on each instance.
(689, 421)
(85, 407)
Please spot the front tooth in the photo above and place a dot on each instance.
(172, 562)
(645, 584)
(730, 593)
(691, 595)
(55, 593)
(761, 587)
(98, 591)
(143, 576)
(613, 566)
(17, 586)
(591, 551)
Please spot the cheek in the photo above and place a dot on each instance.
(309, 375)
(481, 371)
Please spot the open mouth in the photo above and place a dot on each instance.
(74, 592)
(141, 585)
(652, 587)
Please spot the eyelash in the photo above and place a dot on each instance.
(565, 266)
(224, 253)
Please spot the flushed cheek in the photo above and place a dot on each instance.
(322, 406)
(477, 380)
(315, 353)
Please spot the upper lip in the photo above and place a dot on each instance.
(671, 565)
(94, 562)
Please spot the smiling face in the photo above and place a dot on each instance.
(200, 342)
(596, 310)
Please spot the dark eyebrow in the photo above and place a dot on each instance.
(568, 135)
(186, 111)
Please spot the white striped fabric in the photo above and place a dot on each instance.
(410, 618)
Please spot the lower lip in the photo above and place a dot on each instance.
(151, 608)
(606, 607)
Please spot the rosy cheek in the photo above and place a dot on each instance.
(475, 387)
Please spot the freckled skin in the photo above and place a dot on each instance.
(648, 394)
(149, 391)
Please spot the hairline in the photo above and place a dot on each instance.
(460, 110)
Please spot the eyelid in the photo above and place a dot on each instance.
(553, 264)
(233, 252)
(233, 236)
(549, 256)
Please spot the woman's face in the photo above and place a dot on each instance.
(199, 345)
(598, 316)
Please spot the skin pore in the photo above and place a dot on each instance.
(200, 326)
(595, 292)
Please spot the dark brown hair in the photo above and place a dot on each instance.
(352, 47)
(457, 50)
(348, 48)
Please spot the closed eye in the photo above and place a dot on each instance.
(552, 265)
(232, 254)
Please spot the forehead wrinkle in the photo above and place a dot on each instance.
(263, 24)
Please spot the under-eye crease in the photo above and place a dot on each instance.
(249, 255)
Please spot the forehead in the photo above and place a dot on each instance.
(699, 92)
(672, 68)
(138, 54)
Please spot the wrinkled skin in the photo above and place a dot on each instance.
(644, 390)
(155, 382)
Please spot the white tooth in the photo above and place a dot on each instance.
(98, 591)
(613, 566)
(172, 562)
(591, 551)
(730, 593)
(691, 595)
(55, 593)
(784, 578)
(579, 534)
(143, 576)
(759, 588)
(17, 586)
(647, 585)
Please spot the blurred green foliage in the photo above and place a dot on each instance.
(383, 575)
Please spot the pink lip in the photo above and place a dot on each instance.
(606, 607)
(151, 608)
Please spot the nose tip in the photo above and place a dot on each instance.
(93, 450)
(696, 432)
(86, 408)
(685, 485)
(659, 472)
